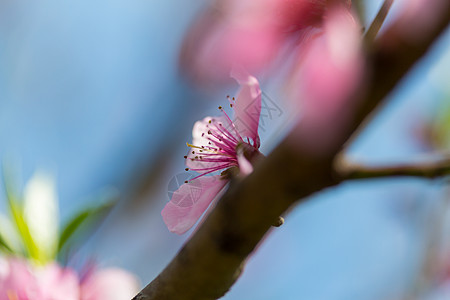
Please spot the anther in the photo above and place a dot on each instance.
(231, 105)
(209, 131)
(220, 107)
(185, 181)
(209, 121)
(187, 169)
(193, 152)
(185, 156)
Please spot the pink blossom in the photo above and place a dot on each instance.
(21, 280)
(218, 143)
(111, 284)
(246, 32)
(329, 71)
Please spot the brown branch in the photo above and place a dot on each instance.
(212, 260)
(378, 21)
(422, 169)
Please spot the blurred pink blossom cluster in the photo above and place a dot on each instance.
(20, 280)
(317, 47)
(251, 34)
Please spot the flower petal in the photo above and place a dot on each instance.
(56, 282)
(111, 284)
(16, 280)
(190, 201)
(332, 66)
(245, 33)
(245, 167)
(329, 73)
(248, 105)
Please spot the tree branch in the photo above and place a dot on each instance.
(212, 260)
(424, 169)
(378, 21)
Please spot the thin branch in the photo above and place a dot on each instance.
(425, 169)
(360, 6)
(212, 260)
(378, 21)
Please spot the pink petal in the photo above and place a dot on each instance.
(16, 279)
(19, 279)
(248, 105)
(245, 34)
(190, 201)
(56, 282)
(245, 167)
(332, 65)
(329, 73)
(111, 284)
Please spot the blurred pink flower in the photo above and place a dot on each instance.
(217, 144)
(20, 280)
(111, 284)
(246, 32)
(328, 72)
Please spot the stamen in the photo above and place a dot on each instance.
(202, 148)
(187, 169)
(232, 124)
(230, 144)
(212, 171)
(226, 133)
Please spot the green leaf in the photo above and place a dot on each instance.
(16, 211)
(10, 241)
(4, 245)
(84, 221)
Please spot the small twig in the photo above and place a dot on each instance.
(424, 169)
(378, 21)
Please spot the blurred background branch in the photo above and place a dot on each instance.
(433, 169)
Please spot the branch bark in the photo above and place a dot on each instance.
(431, 169)
(214, 257)
(378, 21)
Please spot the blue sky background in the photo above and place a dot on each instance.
(90, 91)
